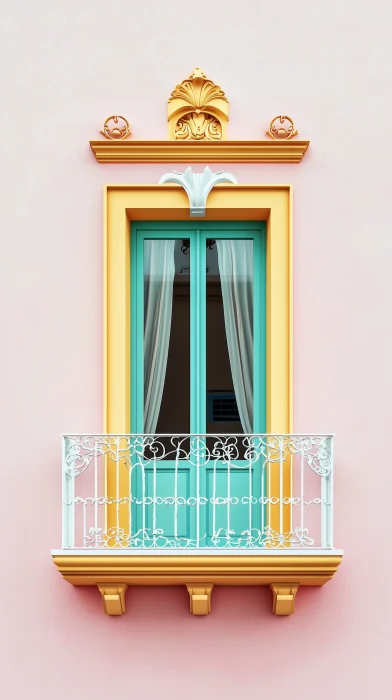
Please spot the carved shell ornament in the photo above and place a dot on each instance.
(198, 109)
(116, 128)
(282, 128)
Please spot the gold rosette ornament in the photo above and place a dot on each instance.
(116, 128)
(282, 128)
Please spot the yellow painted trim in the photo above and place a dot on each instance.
(291, 313)
(199, 151)
(127, 203)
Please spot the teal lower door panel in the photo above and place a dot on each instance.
(233, 512)
(161, 514)
(167, 513)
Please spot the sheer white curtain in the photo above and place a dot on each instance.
(159, 269)
(235, 258)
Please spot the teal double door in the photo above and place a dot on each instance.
(198, 382)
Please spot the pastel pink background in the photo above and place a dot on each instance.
(65, 67)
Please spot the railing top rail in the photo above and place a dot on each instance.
(326, 435)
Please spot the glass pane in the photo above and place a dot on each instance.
(229, 336)
(167, 336)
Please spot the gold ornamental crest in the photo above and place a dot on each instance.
(198, 110)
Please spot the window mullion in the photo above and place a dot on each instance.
(198, 332)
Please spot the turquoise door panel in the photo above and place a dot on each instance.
(238, 517)
(192, 501)
(161, 518)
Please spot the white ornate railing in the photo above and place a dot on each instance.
(198, 492)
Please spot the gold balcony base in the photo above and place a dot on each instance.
(113, 573)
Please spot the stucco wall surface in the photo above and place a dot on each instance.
(65, 66)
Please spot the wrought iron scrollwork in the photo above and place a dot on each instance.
(292, 511)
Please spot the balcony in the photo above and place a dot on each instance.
(197, 510)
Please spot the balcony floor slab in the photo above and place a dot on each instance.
(83, 568)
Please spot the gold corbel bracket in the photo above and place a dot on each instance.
(283, 597)
(200, 598)
(113, 597)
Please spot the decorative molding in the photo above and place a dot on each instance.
(198, 110)
(273, 151)
(113, 596)
(121, 129)
(124, 206)
(200, 598)
(198, 186)
(174, 570)
(282, 128)
(283, 598)
(275, 570)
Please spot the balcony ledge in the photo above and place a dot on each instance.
(112, 571)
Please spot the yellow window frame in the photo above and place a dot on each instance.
(124, 204)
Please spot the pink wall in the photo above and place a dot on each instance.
(66, 66)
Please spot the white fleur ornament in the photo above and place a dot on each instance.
(198, 186)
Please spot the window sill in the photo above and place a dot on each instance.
(112, 571)
(199, 152)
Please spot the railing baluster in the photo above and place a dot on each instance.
(302, 491)
(198, 493)
(330, 491)
(250, 486)
(326, 503)
(228, 497)
(291, 496)
(154, 489)
(214, 499)
(68, 495)
(143, 501)
(269, 473)
(84, 521)
(95, 486)
(280, 485)
(176, 495)
(130, 493)
(117, 488)
(263, 508)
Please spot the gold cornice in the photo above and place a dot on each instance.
(199, 151)
(112, 573)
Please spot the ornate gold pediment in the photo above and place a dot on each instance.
(198, 110)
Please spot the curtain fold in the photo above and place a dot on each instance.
(235, 258)
(159, 270)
